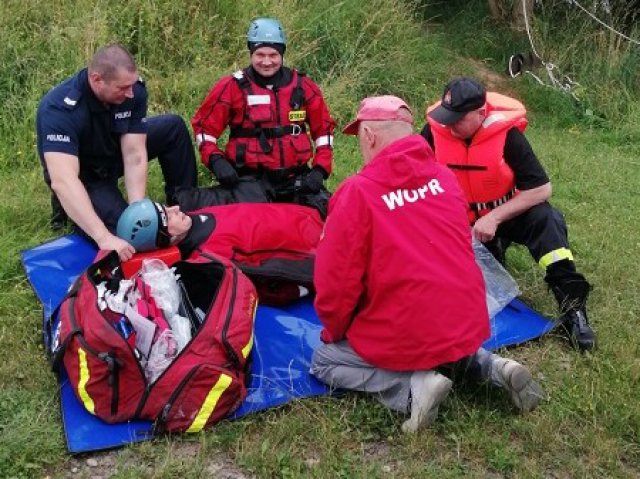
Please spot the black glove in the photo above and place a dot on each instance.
(224, 172)
(313, 181)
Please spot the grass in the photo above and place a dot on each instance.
(590, 424)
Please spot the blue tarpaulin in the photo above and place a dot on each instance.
(285, 339)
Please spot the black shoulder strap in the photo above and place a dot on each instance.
(245, 85)
(297, 97)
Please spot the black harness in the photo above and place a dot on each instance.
(264, 134)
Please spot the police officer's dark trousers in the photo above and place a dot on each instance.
(168, 140)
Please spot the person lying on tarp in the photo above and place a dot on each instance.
(274, 244)
(398, 291)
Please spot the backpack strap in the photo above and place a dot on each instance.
(245, 85)
(297, 96)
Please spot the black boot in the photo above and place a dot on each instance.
(572, 299)
(58, 215)
(576, 326)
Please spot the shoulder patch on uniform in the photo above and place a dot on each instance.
(238, 75)
(71, 99)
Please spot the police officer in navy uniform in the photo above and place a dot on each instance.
(93, 129)
(280, 129)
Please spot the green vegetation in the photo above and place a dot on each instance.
(590, 425)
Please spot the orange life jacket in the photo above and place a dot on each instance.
(484, 175)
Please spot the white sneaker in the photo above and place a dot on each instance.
(516, 378)
(428, 390)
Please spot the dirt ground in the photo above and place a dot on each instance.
(103, 465)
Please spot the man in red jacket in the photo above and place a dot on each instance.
(280, 129)
(398, 289)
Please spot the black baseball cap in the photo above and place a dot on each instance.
(461, 95)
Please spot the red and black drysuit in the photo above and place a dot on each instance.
(276, 127)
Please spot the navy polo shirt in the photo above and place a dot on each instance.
(72, 120)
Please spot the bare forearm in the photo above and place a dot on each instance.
(485, 228)
(64, 170)
(134, 157)
(520, 203)
(135, 179)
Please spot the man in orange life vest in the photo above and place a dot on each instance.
(479, 136)
(278, 122)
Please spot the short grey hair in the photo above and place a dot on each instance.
(109, 59)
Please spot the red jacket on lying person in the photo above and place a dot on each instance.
(273, 244)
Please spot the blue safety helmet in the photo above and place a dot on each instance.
(144, 225)
(266, 30)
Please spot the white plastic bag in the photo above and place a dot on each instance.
(181, 328)
(501, 287)
(165, 291)
(164, 286)
(162, 354)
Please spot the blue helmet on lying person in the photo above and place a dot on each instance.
(144, 225)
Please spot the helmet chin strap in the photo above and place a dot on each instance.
(163, 239)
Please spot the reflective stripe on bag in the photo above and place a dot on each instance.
(209, 404)
(83, 380)
(247, 349)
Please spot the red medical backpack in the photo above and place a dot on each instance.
(203, 384)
